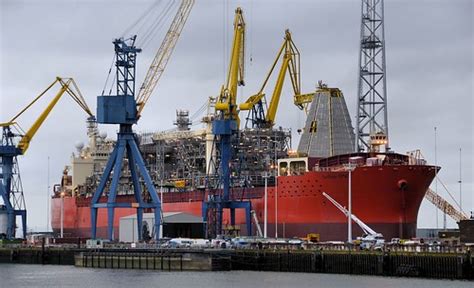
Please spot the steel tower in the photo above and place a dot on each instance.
(372, 123)
(11, 190)
(122, 109)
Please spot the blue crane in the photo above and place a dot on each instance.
(125, 110)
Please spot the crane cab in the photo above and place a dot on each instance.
(119, 109)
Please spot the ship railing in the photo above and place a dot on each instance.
(416, 158)
(340, 168)
(381, 159)
(427, 248)
(389, 247)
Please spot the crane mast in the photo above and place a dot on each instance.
(226, 102)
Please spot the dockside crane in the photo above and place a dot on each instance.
(124, 109)
(225, 127)
(11, 189)
(290, 62)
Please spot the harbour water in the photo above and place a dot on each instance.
(19, 275)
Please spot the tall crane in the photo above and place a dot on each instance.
(226, 101)
(224, 128)
(290, 61)
(11, 189)
(124, 109)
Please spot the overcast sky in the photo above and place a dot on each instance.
(429, 50)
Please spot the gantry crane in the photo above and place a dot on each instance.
(11, 189)
(125, 110)
(225, 127)
(290, 61)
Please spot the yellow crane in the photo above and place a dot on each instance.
(226, 102)
(290, 61)
(69, 86)
(163, 55)
(225, 127)
(11, 190)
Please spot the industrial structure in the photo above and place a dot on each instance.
(259, 116)
(220, 170)
(328, 130)
(125, 110)
(225, 128)
(11, 188)
(372, 118)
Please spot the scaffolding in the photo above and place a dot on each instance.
(177, 159)
(181, 158)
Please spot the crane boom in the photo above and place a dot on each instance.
(163, 55)
(255, 219)
(226, 101)
(362, 225)
(290, 62)
(445, 206)
(11, 189)
(67, 85)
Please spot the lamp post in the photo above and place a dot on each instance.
(161, 200)
(265, 209)
(349, 216)
(62, 214)
(276, 191)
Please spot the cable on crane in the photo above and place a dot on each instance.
(141, 18)
(150, 33)
(449, 193)
(251, 33)
(224, 42)
(112, 84)
(199, 111)
(108, 75)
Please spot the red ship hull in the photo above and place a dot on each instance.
(386, 198)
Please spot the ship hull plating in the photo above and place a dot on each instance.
(387, 198)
